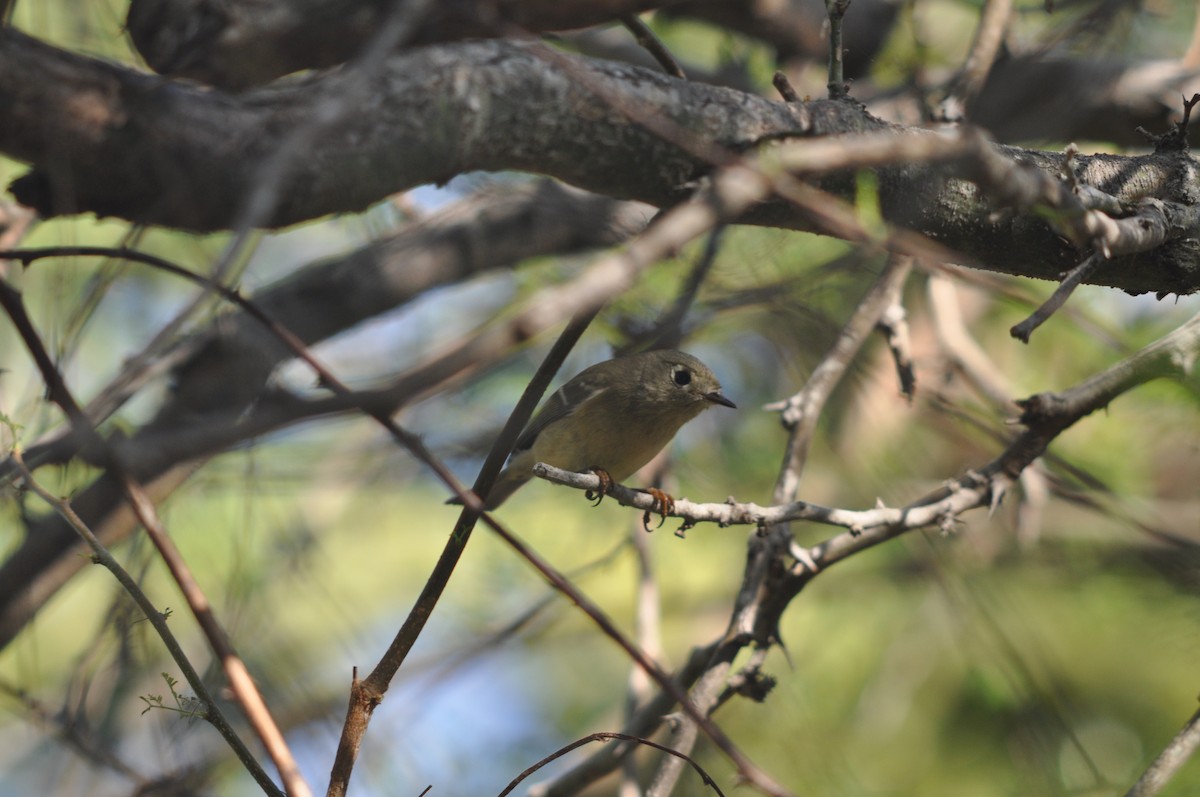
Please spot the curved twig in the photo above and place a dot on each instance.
(604, 737)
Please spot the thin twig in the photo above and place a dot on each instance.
(800, 412)
(1070, 282)
(784, 87)
(366, 695)
(836, 9)
(602, 737)
(652, 44)
(158, 621)
(985, 47)
(893, 323)
(239, 678)
(1045, 416)
(1169, 761)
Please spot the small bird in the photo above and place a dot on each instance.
(612, 418)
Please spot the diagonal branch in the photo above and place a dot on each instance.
(366, 695)
(799, 413)
(1171, 759)
(212, 710)
(139, 502)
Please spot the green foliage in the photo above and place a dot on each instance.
(187, 707)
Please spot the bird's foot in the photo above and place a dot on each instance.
(606, 485)
(664, 504)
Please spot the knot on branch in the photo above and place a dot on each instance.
(1175, 139)
(1041, 408)
(753, 683)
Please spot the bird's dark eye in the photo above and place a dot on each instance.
(682, 376)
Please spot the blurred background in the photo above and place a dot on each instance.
(1048, 648)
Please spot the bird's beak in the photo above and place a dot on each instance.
(716, 398)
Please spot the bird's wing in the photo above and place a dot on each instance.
(565, 401)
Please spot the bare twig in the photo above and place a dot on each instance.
(836, 9)
(143, 508)
(653, 45)
(600, 737)
(800, 412)
(366, 695)
(893, 323)
(158, 621)
(785, 88)
(1169, 761)
(1070, 282)
(989, 36)
(1045, 415)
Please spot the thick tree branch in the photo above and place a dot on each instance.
(1108, 98)
(207, 40)
(192, 154)
(115, 142)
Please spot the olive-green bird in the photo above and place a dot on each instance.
(612, 417)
